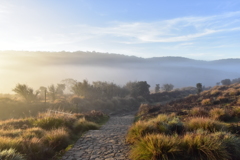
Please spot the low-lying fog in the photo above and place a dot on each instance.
(45, 68)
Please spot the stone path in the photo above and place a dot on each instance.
(108, 143)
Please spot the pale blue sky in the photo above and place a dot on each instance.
(205, 30)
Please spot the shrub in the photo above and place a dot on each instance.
(10, 154)
(198, 111)
(206, 102)
(205, 124)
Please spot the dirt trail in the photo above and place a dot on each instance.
(108, 143)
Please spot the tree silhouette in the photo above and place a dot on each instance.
(168, 87)
(26, 92)
(226, 82)
(199, 87)
(52, 91)
(157, 88)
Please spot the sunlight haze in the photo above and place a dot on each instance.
(206, 30)
(43, 42)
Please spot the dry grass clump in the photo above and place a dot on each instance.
(9, 142)
(215, 92)
(219, 114)
(190, 146)
(236, 111)
(238, 101)
(16, 123)
(10, 132)
(231, 92)
(206, 102)
(57, 138)
(84, 125)
(141, 128)
(203, 146)
(11, 154)
(206, 124)
(222, 99)
(163, 123)
(156, 146)
(198, 112)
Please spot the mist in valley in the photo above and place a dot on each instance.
(45, 68)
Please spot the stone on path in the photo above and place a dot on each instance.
(108, 143)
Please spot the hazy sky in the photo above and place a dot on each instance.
(206, 29)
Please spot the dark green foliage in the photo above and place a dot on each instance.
(167, 87)
(226, 82)
(140, 88)
(199, 87)
(157, 88)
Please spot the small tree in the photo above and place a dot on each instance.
(157, 88)
(42, 91)
(139, 88)
(52, 91)
(26, 92)
(60, 88)
(226, 82)
(167, 87)
(199, 88)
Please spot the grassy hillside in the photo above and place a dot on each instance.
(197, 127)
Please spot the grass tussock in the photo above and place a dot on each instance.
(198, 112)
(219, 114)
(206, 102)
(156, 146)
(190, 146)
(84, 125)
(11, 154)
(206, 124)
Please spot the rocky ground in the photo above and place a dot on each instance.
(108, 143)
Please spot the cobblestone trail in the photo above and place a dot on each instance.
(108, 143)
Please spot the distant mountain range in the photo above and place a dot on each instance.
(52, 67)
